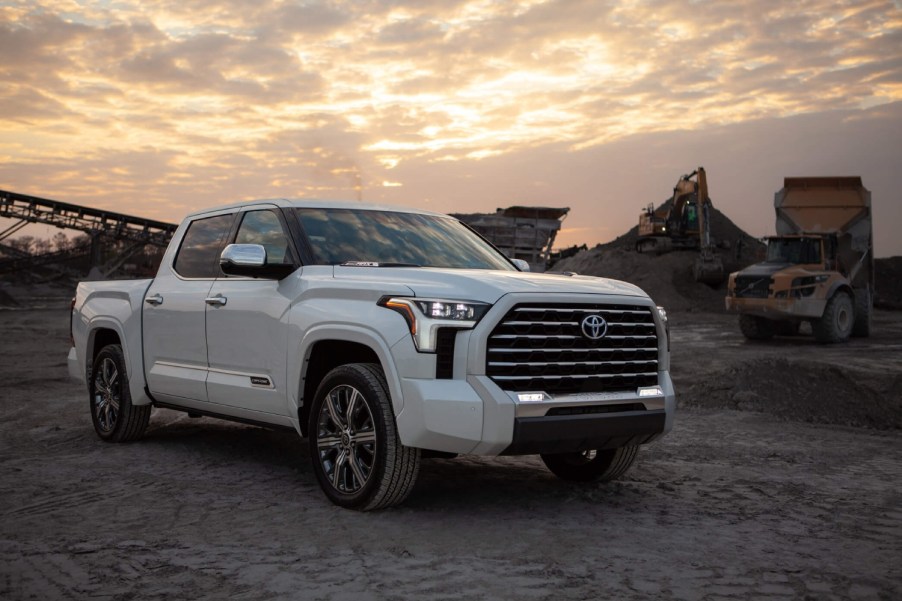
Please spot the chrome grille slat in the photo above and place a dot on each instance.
(572, 363)
(566, 350)
(541, 348)
(575, 377)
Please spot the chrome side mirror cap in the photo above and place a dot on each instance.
(243, 255)
(521, 264)
(249, 260)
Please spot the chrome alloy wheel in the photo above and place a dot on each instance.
(346, 439)
(107, 396)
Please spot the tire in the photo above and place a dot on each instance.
(787, 328)
(756, 328)
(592, 466)
(836, 323)
(114, 416)
(357, 455)
(863, 310)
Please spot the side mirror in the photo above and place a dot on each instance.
(249, 260)
(521, 264)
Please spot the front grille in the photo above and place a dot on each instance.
(541, 347)
(753, 286)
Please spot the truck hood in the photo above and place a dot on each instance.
(484, 285)
(764, 269)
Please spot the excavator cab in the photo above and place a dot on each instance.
(687, 226)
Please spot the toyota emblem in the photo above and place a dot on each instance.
(594, 327)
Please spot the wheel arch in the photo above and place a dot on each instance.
(100, 337)
(843, 287)
(103, 332)
(325, 349)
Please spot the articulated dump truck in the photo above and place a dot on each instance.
(819, 266)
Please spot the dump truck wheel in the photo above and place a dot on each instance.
(787, 328)
(837, 321)
(863, 310)
(756, 328)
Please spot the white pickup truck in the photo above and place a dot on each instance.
(379, 334)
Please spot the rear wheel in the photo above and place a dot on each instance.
(863, 309)
(756, 328)
(357, 455)
(115, 418)
(836, 323)
(589, 466)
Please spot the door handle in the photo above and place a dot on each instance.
(156, 299)
(218, 300)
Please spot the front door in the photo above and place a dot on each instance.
(247, 324)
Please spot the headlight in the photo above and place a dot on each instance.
(425, 316)
(663, 315)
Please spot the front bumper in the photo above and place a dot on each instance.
(777, 308)
(568, 433)
(476, 416)
(470, 414)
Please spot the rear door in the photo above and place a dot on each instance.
(175, 346)
(247, 324)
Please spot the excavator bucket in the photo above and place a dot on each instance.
(709, 268)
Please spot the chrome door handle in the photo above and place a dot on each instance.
(156, 299)
(218, 300)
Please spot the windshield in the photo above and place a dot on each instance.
(794, 250)
(392, 238)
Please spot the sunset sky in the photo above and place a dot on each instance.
(162, 108)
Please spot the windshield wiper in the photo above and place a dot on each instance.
(375, 264)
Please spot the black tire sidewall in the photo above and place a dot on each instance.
(114, 352)
(352, 375)
(568, 467)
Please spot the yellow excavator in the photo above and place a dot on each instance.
(684, 223)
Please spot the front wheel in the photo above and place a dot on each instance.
(756, 328)
(589, 466)
(357, 455)
(837, 322)
(115, 418)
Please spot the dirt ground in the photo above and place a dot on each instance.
(781, 480)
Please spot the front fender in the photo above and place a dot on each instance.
(369, 337)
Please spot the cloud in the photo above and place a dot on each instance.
(308, 98)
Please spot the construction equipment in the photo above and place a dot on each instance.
(105, 228)
(684, 223)
(819, 267)
(525, 233)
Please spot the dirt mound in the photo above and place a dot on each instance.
(669, 278)
(888, 283)
(798, 390)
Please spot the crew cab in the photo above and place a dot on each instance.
(379, 334)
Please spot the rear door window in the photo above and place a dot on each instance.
(198, 256)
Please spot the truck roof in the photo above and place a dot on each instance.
(317, 204)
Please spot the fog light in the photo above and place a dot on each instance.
(650, 391)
